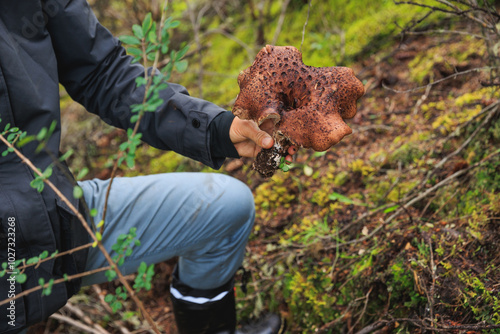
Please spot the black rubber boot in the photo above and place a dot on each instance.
(213, 311)
(268, 324)
(203, 311)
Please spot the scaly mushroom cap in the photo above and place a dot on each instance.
(306, 103)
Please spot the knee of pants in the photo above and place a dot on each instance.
(239, 200)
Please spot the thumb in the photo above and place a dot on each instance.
(261, 138)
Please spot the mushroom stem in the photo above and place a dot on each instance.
(268, 160)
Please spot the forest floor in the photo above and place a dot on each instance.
(397, 227)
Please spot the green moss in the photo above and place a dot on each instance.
(401, 286)
(400, 190)
(341, 178)
(377, 190)
(480, 297)
(407, 154)
(455, 54)
(272, 195)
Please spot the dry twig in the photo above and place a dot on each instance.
(453, 76)
(80, 314)
(76, 323)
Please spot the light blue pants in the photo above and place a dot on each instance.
(205, 219)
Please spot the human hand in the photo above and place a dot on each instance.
(249, 139)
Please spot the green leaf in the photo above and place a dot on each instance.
(98, 236)
(11, 137)
(129, 252)
(146, 24)
(21, 278)
(52, 127)
(142, 268)
(101, 223)
(181, 66)
(130, 40)
(134, 118)
(109, 298)
(83, 172)
(116, 306)
(151, 270)
(174, 24)
(134, 52)
(4, 153)
(151, 48)
(341, 198)
(47, 173)
(182, 52)
(41, 135)
(140, 81)
(137, 30)
(93, 213)
(66, 155)
(77, 192)
(23, 141)
(319, 154)
(152, 36)
(48, 290)
(38, 184)
(164, 48)
(130, 161)
(110, 274)
(44, 254)
(392, 208)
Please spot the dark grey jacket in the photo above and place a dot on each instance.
(44, 43)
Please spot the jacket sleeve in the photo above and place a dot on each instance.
(96, 72)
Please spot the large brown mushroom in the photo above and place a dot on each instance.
(307, 104)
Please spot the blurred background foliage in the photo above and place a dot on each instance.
(401, 219)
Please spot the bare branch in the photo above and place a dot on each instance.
(71, 251)
(453, 76)
(280, 21)
(85, 318)
(305, 25)
(57, 281)
(444, 31)
(76, 323)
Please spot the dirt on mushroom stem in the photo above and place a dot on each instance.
(268, 160)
